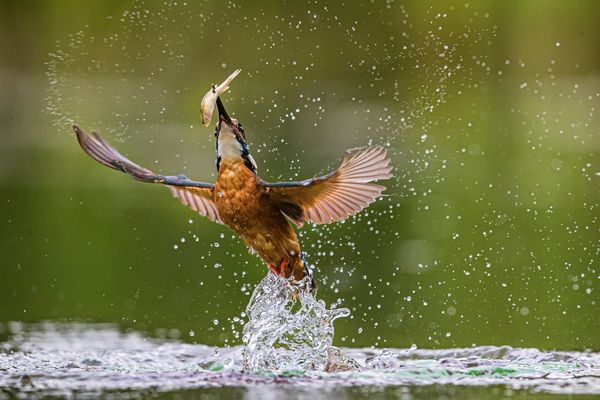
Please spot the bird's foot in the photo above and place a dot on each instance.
(282, 267)
(298, 284)
(274, 269)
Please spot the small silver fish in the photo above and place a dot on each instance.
(207, 105)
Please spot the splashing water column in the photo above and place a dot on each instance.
(284, 334)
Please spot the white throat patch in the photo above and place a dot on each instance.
(227, 144)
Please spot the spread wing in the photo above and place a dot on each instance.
(197, 195)
(337, 195)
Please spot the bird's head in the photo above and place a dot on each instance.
(231, 139)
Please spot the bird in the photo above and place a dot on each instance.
(263, 214)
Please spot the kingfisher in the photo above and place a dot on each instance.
(263, 214)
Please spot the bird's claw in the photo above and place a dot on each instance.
(282, 267)
(297, 284)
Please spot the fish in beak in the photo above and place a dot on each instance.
(207, 105)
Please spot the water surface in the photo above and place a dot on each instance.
(86, 360)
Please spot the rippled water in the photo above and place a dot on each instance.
(287, 351)
(54, 359)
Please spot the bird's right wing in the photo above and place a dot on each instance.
(337, 195)
(197, 195)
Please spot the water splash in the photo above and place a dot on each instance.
(284, 334)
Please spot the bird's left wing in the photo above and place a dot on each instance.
(197, 195)
(337, 195)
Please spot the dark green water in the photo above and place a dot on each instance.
(488, 235)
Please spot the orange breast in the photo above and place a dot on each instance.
(247, 209)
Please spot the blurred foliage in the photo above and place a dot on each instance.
(488, 235)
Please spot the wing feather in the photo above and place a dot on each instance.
(339, 194)
(197, 195)
(198, 199)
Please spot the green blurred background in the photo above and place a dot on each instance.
(489, 234)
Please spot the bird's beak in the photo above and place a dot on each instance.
(222, 113)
